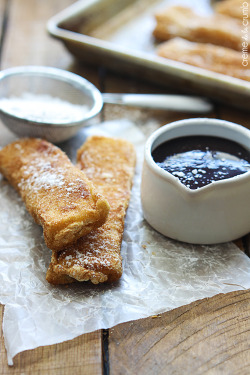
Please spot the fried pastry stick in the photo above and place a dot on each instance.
(204, 55)
(233, 8)
(56, 193)
(109, 163)
(182, 22)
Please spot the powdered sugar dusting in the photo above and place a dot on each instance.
(98, 250)
(39, 174)
(42, 175)
(43, 108)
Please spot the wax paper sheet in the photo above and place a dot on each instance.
(159, 273)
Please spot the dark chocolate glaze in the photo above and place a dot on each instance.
(200, 160)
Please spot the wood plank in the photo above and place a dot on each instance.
(241, 117)
(82, 355)
(3, 6)
(27, 43)
(210, 336)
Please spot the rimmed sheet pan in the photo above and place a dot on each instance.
(118, 35)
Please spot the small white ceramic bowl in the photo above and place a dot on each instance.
(46, 102)
(215, 213)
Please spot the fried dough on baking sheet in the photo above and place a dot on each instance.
(233, 8)
(204, 55)
(109, 163)
(182, 22)
(56, 193)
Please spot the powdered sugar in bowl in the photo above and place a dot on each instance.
(51, 103)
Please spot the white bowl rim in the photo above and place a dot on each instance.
(64, 76)
(194, 121)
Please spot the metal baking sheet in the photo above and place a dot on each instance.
(118, 35)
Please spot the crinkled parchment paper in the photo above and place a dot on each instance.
(159, 274)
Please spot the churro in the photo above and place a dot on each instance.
(204, 55)
(56, 193)
(183, 22)
(234, 8)
(109, 163)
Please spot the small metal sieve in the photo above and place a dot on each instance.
(50, 103)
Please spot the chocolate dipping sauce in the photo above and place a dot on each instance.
(200, 160)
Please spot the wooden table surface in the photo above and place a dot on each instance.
(209, 336)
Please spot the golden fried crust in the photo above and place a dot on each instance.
(56, 193)
(182, 22)
(109, 164)
(233, 8)
(207, 56)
